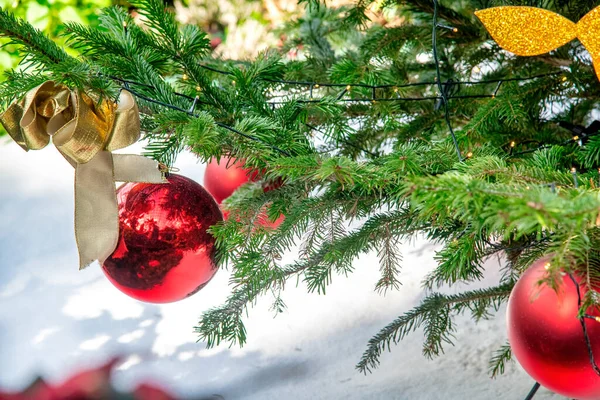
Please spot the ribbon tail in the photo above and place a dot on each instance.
(96, 212)
(134, 168)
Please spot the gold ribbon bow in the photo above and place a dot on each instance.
(85, 132)
(531, 31)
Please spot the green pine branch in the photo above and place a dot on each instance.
(433, 314)
(387, 167)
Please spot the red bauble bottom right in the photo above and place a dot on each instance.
(546, 336)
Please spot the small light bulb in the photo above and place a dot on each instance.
(469, 154)
(564, 78)
(575, 138)
(476, 69)
(513, 144)
(348, 87)
(233, 82)
(547, 266)
(573, 170)
(198, 88)
(317, 86)
(124, 24)
(395, 90)
(185, 77)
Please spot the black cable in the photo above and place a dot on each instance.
(371, 99)
(439, 80)
(588, 343)
(547, 146)
(533, 391)
(383, 86)
(344, 141)
(192, 114)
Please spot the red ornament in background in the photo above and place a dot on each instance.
(88, 384)
(91, 383)
(547, 338)
(149, 391)
(223, 178)
(262, 219)
(164, 252)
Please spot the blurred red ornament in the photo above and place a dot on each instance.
(547, 338)
(223, 178)
(148, 391)
(38, 390)
(272, 184)
(264, 221)
(215, 42)
(164, 252)
(89, 384)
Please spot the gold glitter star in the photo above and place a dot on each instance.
(531, 31)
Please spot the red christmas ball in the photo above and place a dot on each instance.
(223, 178)
(547, 338)
(264, 221)
(164, 253)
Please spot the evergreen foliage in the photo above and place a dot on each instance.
(365, 155)
(48, 16)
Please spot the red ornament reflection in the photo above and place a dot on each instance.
(164, 253)
(547, 338)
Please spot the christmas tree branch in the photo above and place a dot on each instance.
(41, 49)
(434, 313)
(499, 360)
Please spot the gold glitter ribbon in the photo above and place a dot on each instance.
(531, 31)
(85, 132)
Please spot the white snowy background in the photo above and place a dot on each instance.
(55, 320)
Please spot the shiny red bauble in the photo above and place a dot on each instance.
(546, 336)
(264, 221)
(164, 253)
(223, 177)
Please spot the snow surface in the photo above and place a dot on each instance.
(55, 319)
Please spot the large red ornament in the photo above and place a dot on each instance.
(547, 338)
(164, 252)
(223, 178)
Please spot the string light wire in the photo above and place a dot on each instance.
(588, 343)
(438, 73)
(126, 85)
